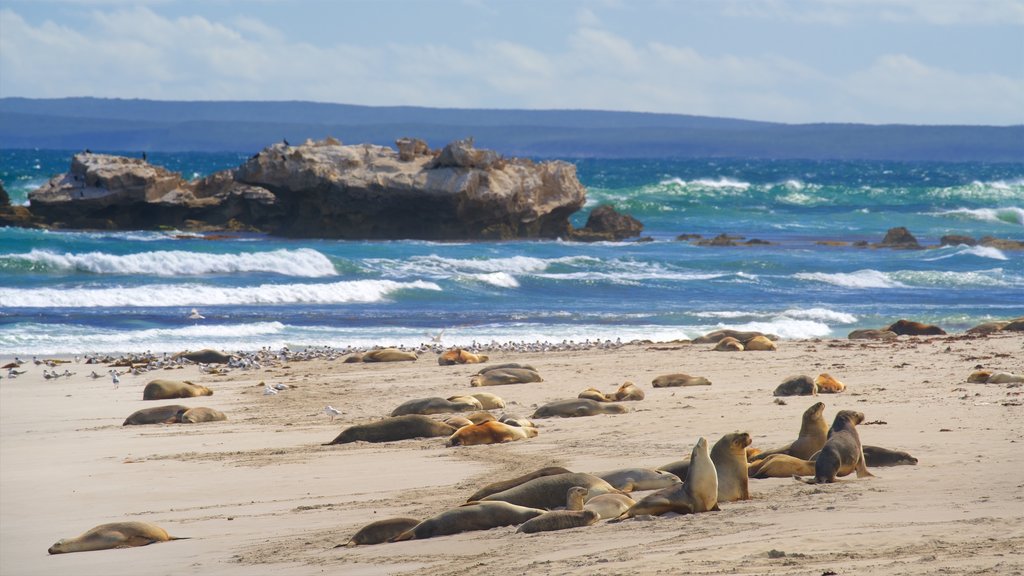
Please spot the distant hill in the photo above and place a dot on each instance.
(245, 126)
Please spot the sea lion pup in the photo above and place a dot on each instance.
(868, 334)
(458, 422)
(171, 389)
(489, 433)
(549, 491)
(460, 356)
(113, 535)
(574, 515)
(495, 487)
(875, 456)
(436, 405)
(638, 479)
(609, 506)
(828, 384)
(760, 343)
(201, 414)
(481, 417)
(728, 344)
(729, 455)
(801, 385)
(394, 428)
(389, 355)
(517, 421)
(911, 328)
(380, 531)
(488, 401)
(516, 365)
(205, 356)
(156, 415)
(470, 516)
(698, 493)
(842, 452)
(503, 376)
(673, 380)
(812, 435)
(578, 407)
(780, 466)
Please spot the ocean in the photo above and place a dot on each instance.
(99, 292)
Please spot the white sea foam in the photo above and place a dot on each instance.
(1006, 215)
(945, 278)
(721, 184)
(303, 262)
(979, 251)
(997, 190)
(435, 266)
(499, 279)
(356, 291)
(783, 327)
(861, 279)
(820, 314)
(799, 199)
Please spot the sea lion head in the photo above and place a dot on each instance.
(815, 411)
(848, 419)
(740, 441)
(58, 547)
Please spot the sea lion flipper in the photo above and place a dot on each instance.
(715, 508)
(862, 468)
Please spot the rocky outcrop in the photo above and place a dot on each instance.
(899, 238)
(605, 223)
(14, 215)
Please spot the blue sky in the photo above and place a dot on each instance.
(874, 61)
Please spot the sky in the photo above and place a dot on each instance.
(794, 61)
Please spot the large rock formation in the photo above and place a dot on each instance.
(325, 189)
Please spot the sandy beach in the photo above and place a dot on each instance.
(260, 494)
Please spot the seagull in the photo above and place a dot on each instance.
(113, 376)
(332, 411)
(436, 337)
(280, 386)
(195, 315)
(269, 390)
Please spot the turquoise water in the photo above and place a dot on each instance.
(79, 292)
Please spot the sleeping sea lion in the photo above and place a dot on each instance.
(171, 389)
(488, 401)
(436, 405)
(609, 506)
(512, 420)
(578, 407)
(628, 392)
(828, 384)
(495, 487)
(394, 428)
(201, 414)
(549, 491)
(504, 376)
(470, 516)
(489, 433)
(780, 466)
(157, 415)
(842, 453)
(812, 435)
(516, 365)
(460, 356)
(380, 531)
(718, 335)
(389, 355)
(205, 356)
(574, 515)
(673, 380)
(801, 385)
(729, 455)
(760, 343)
(728, 344)
(458, 421)
(911, 328)
(698, 493)
(875, 456)
(638, 479)
(595, 395)
(480, 417)
(113, 535)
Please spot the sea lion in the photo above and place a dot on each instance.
(868, 334)
(353, 358)
(628, 392)
(481, 417)
(842, 453)
(780, 466)
(673, 380)
(205, 356)
(380, 531)
(1004, 378)
(698, 493)
(504, 376)
(489, 433)
(828, 384)
(436, 405)
(549, 491)
(201, 414)
(389, 355)
(458, 421)
(728, 344)
(718, 335)
(638, 479)
(394, 428)
(578, 407)
(171, 389)
(574, 515)
(157, 415)
(515, 365)
(495, 487)
(729, 455)
(595, 395)
(979, 376)
(488, 401)
(760, 343)
(801, 385)
(460, 356)
(609, 505)
(810, 439)
(113, 535)
(986, 328)
(911, 328)
(470, 516)
(875, 456)
(517, 421)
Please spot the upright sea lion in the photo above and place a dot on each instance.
(201, 414)
(489, 433)
(801, 385)
(673, 380)
(460, 356)
(394, 428)
(638, 479)
(171, 389)
(436, 405)
(549, 491)
(470, 516)
(205, 356)
(842, 453)
(760, 343)
(389, 355)
(911, 328)
(495, 487)
(574, 515)
(113, 535)
(488, 401)
(504, 376)
(812, 435)
(728, 344)
(157, 415)
(730, 457)
(698, 493)
(381, 531)
(828, 384)
(578, 407)
(875, 456)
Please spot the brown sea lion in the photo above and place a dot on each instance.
(728, 344)
(577, 407)
(113, 535)
(171, 389)
(504, 366)
(574, 516)
(638, 479)
(436, 405)
(201, 414)
(979, 376)
(828, 384)
(628, 391)
(812, 435)
(867, 334)
(389, 355)
(549, 491)
(730, 457)
(205, 356)
(698, 493)
(842, 453)
(488, 401)
(394, 428)
(595, 395)
(780, 466)
(481, 417)
(742, 336)
(495, 487)
(380, 531)
(460, 356)
(760, 343)
(987, 328)
(157, 415)
(875, 456)
(911, 328)
(354, 358)
(801, 385)
(489, 433)
(673, 380)
(512, 420)
(468, 517)
(609, 505)
(504, 376)
(458, 421)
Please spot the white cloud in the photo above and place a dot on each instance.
(842, 12)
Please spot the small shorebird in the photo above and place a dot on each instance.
(269, 390)
(113, 376)
(194, 315)
(331, 411)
